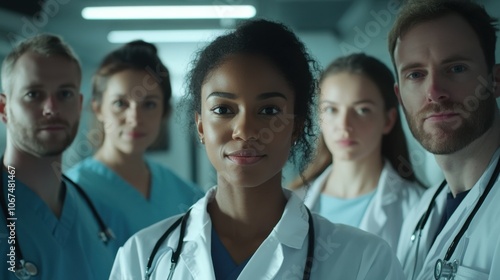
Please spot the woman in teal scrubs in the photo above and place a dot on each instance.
(130, 98)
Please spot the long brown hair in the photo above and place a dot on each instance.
(394, 147)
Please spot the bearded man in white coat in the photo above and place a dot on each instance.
(444, 55)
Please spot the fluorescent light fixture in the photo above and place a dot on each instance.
(170, 12)
(165, 36)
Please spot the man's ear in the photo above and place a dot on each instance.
(199, 125)
(390, 120)
(396, 91)
(3, 107)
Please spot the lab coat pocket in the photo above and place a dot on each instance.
(465, 273)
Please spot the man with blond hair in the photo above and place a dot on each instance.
(50, 232)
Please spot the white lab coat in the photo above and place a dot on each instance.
(384, 216)
(340, 251)
(478, 251)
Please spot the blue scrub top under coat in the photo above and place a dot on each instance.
(64, 248)
(130, 210)
(349, 211)
(225, 268)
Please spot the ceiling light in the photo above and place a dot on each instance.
(165, 36)
(170, 12)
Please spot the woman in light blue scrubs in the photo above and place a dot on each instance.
(131, 94)
(370, 183)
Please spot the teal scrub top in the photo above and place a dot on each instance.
(124, 209)
(64, 248)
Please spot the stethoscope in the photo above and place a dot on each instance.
(25, 269)
(175, 255)
(444, 268)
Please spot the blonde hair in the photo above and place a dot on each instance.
(42, 44)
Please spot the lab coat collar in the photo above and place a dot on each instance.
(287, 231)
(457, 219)
(386, 194)
(291, 231)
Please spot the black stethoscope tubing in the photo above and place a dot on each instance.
(423, 220)
(183, 220)
(105, 233)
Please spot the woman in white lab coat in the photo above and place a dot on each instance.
(251, 93)
(370, 184)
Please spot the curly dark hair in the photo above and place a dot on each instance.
(280, 46)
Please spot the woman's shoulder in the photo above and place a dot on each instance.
(394, 182)
(143, 242)
(167, 178)
(84, 168)
(149, 236)
(155, 230)
(160, 170)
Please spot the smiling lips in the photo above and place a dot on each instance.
(245, 157)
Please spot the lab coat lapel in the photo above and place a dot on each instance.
(198, 259)
(290, 232)
(267, 260)
(456, 221)
(196, 254)
(312, 194)
(375, 218)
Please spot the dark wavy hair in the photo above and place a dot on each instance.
(277, 43)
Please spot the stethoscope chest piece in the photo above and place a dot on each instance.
(26, 270)
(444, 270)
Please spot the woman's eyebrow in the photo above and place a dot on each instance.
(262, 96)
(227, 95)
(267, 95)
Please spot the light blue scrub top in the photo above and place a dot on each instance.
(123, 208)
(344, 211)
(68, 248)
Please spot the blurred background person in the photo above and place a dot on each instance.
(362, 175)
(131, 94)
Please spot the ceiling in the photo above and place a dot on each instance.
(89, 37)
(323, 24)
